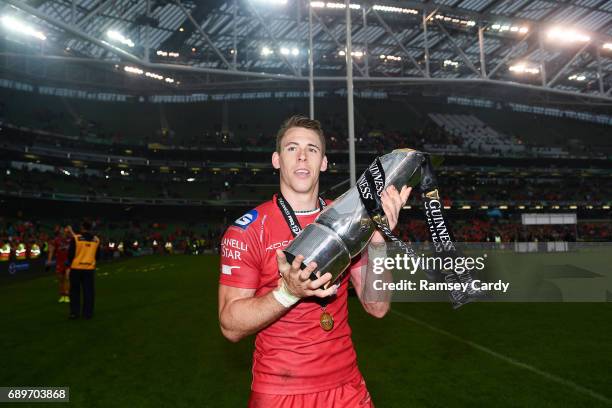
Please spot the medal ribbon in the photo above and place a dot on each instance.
(293, 223)
(296, 228)
(289, 214)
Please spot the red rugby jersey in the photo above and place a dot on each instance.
(294, 355)
(61, 247)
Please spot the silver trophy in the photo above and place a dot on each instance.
(344, 228)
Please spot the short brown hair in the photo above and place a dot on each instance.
(301, 122)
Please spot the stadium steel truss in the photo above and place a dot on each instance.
(551, 49)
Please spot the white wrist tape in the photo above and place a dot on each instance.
(284, 297)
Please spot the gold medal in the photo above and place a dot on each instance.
(326, 321)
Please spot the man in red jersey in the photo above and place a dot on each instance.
(304, 356)
(59, 248)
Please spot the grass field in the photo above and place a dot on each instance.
(155, 342)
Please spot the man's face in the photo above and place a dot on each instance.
(66, 232)
(300, 160)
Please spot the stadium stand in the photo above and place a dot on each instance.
(66, 122)
(476, 136)
(497, 164)
(49, 154)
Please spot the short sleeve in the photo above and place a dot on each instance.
(240, 256)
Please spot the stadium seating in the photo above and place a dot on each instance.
(69, 150)
(246, 124)
(476, 136)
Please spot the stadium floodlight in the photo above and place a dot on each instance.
(117, 36)
(451, 63)
(391, 9)
(607, 46)
(334, 5)
(511, 28)
(567, 36)
(522, 68)
(271, 2)
(133, 70)
(265, 51)
(455, 20)
(356, 54)
(390, 57)
(317, 4)
(18, 26)
(284, 51)
(576, 77)
(167, 54)
(191, 179)
(154, 75)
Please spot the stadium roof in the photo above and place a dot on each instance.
(542, 46)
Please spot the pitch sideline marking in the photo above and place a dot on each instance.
(509, 360)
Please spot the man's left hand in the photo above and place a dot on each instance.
(392, 202)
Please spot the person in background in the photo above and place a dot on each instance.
(59, 248)
(82, 260)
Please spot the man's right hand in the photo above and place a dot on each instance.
(297, 281)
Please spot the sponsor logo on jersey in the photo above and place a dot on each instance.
(233, 248)
(227, 269)
(246, 220)
(278, 245)
(234, 243)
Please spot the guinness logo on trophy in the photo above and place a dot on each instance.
(344, 228)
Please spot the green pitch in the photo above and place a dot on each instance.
(155, 342)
